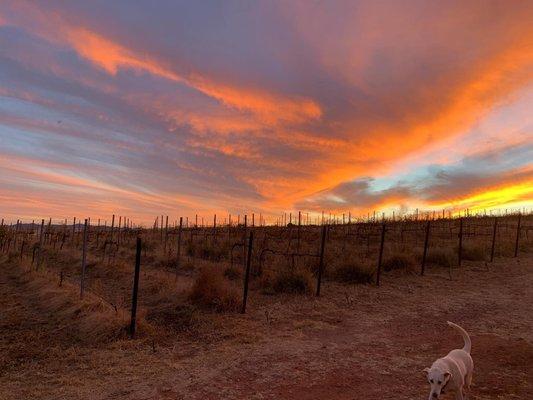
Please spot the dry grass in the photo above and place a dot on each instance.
(351, 271)
(212, 291)
(399, 261)
(473, 252)
(233, 273)
(288, 280)
(86, 320)
(441, 257)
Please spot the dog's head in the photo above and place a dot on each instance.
(438, 379)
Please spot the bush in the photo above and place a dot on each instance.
(297, 280)
(399, 261)
(212, 291)
(353, 272)
(440, 257)
(180, 317)
(233, 273)
(473, 253)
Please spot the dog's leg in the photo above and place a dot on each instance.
(468, 380)
(459, 394)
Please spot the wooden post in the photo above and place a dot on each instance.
(424, 255)
(380, 258)
(517, 235)
(247, 274)
(321, 259)
(493, 239)
(83, 259)
(135, 288)
(460, 250)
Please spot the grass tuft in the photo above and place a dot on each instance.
(399, 261)
(288, 280)
(353, 272)
(212, 291)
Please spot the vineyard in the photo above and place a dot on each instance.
(231, 311)
(219, 267)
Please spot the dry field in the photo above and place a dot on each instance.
(355, 341)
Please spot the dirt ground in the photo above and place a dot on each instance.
(354, 342)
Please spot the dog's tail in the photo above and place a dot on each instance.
(468, 343)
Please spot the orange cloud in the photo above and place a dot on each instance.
(271, 108)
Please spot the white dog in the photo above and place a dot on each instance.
(453, 372)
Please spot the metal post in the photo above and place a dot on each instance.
(135, 288)
(493, 239)
(460, 250)
(247, 274)
(41, 238)
(321, 260)
(380, 258)
(178, 251)
(83, 259)
(424, 255)
(73, 229)
(299, 229)
(517, 235)
(112, 227)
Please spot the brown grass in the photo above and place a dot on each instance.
(351, 271)
(399, 261)
(212, 291)
(288, 280)
(441, 257)
(87, 320)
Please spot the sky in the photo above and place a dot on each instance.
(200, 107)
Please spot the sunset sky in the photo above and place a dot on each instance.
(142, 108)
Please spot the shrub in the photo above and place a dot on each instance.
(180, 317)
(191, 249)
(399, 261)
(297, 280)
(440, 257)
(353, 272)
(212, 291)
(233, 273)
(473, 252)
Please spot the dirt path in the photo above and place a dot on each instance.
(356, 342)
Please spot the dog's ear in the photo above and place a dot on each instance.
(447, 376)
(425, 371)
